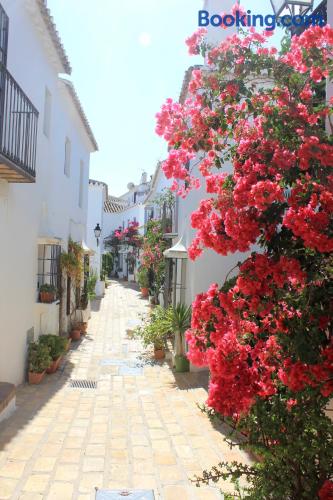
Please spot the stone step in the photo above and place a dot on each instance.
(7, 399)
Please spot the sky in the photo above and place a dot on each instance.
(127, 57)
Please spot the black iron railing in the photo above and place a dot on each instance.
(4, 24)
(18, 124)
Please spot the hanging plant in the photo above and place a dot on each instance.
(72, 262)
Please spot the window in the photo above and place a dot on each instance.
(47, 112)
(149, 214)
(49, 266)
(81, 184)
(67, 167)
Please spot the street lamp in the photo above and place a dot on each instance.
(291, 7)
(98, 233)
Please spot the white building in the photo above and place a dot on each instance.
(100, 204)
(120, 212)
(45, 146)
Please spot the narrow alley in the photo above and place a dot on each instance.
(132, 424)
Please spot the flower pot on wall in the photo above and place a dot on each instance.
(182, 364)
(47, 297)
(36, 378)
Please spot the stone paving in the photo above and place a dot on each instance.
(140, 428)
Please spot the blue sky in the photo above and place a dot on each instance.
(128, 57)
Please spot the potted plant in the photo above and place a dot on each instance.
(181, 316)
(57, 347)
(39, 359)
(155, 330)
(47, 293)
(159, 348)
(72, 262)
(143, 280)
(76, 331)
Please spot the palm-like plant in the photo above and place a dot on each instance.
(181, 318)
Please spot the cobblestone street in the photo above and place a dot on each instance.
(139, 428)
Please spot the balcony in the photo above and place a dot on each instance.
(18, 132)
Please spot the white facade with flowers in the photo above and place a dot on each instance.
(43, 192)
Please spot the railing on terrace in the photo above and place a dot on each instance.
(18, 131)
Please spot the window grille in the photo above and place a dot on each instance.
(49, 266)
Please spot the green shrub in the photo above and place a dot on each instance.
(143, 278)
(48, 288)
(156, 328)
(181, 319)
(38, 357)
(56, 344)
(91, 284)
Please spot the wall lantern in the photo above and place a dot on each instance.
(178, 251)
(98, 233)
(291, 7)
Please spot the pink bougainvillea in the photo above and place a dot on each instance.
(251, 131)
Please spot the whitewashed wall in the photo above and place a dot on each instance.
(50, 206)
(96, 198)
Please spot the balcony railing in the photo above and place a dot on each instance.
(18, 131)
(4, 26)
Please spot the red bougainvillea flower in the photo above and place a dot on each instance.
(250, 132)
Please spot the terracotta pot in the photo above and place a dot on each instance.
(144, 292)
(159, 353)
(54, 365)
(76, 334)
(36, 378)
(69, 341)
(47, 297)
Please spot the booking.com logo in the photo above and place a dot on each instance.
(269, 22)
